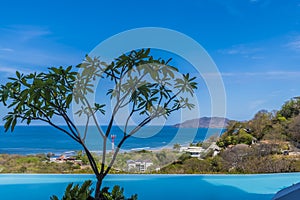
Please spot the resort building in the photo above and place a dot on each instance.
(138, 165)
(69, 156)
(195, 152)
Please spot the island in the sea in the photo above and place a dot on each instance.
(204, 122)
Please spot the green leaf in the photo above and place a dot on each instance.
(8, 120)
(147, 51)
(88, 58)
(18, 74)
(68, 68)
(13, 124)
(69, 99)
(54, 198)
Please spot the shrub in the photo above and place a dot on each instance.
(117, 193)
(77, 193)
(84, 192)
(245, 138)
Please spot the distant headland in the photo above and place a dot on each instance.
(204, 122)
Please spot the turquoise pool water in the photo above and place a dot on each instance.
(149, 187)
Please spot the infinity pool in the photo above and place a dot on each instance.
(149, 187)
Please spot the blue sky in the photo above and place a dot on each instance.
(254, 43)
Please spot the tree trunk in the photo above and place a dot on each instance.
(98, 195)
(99, 175)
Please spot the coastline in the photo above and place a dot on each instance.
(27, 139)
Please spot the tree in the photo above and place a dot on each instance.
(260, 124)
(290, 108)
(294, 130)
(177, 146)
(234, 158)
(147, 86)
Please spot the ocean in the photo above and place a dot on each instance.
(44, 139)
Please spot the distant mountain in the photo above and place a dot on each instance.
(204, 122)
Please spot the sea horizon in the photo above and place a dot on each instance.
(36, 139)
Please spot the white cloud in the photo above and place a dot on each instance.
(284, 73)
(12, 70)
(267, 74)
(25, 32)
(34, 47)
(6, 49)
(247, 51)
(8, 69)
(294, 44)
(275, 75)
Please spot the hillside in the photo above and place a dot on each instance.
(204, 122)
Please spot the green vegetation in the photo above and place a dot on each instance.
(42, 164)
(224, 164)
(280, 126)
(77, 192)
(117, 193)
(233, 138)
(260, 145)
(37, 164)
(84, 192)
(176, 146)
(159, 159)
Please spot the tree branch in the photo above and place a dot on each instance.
(143, 123)
(127, 120)
(94, 117)
(91, 160)
(86, 128)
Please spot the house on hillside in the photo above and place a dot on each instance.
(69, 156)
(215, 148)
(195, 152)
(139, 165)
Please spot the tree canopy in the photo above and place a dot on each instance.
(148, 87)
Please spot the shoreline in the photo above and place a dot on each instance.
(96, 152)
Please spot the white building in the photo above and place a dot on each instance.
(195, 152)
(216, 149)
(139, 165)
